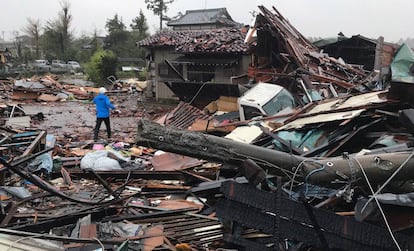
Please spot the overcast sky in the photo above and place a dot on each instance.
(392, 19)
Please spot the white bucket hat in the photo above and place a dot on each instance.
(102, 90)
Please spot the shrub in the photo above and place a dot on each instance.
(102, 64)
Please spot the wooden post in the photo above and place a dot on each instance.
(379, 53)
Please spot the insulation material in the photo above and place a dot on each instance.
(245, 134)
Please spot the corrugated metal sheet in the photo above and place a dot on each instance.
(349, 102)
(321, 118)
(171, 162)
(182, 116)
(197, 230)
(18, 243)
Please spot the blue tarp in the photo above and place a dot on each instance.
(402, 66)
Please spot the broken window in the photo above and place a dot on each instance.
(251, 112)
(279, 102)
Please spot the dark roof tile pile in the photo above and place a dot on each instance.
(206, 41)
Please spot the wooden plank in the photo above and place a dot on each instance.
(36, 142)
(10, 214)
(88, 231)
(157, 239)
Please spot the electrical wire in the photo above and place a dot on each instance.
(296, 171)
(100, 243)
(378, 204)
(23, 238)
(388, 180)
(293, 178)
(198, 92)
(284, 171)
(309, 174)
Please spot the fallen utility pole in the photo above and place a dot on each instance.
(326, 171)
(213, 148)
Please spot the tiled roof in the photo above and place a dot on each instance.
(206, 16)
(226, 40)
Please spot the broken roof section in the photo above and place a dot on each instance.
(291, 40)
(371, 54)
(284, 50)
(226, 40)
(198, 19)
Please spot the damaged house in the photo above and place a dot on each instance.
(371, 54)
(281, 52)
(205, 46)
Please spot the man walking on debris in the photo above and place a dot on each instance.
(103, 104)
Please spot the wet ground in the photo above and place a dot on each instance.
(74, 120)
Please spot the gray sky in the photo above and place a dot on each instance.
(317, 18)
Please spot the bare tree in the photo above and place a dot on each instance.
(32, 30)
(57, 35)
(65, 20)
(18, 43)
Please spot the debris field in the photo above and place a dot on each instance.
(323, 164)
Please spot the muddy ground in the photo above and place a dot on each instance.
(74, 121)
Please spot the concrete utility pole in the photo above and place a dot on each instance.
(319, 171)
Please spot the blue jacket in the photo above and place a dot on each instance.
(102, 106)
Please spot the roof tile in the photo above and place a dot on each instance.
(226, 40)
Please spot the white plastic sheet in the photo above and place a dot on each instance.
(99, 161)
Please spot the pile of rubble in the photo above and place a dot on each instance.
(329, 168)
(59, 185)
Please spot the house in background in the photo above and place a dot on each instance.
(204, 20)
(372, 54)
(205, 46)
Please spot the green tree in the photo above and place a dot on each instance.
(159, 8)
(115, 24)
(81, 50)
(103, 64)
(139, 31)
(117, 35)
(139, 25)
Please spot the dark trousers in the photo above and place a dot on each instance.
(98, 125)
